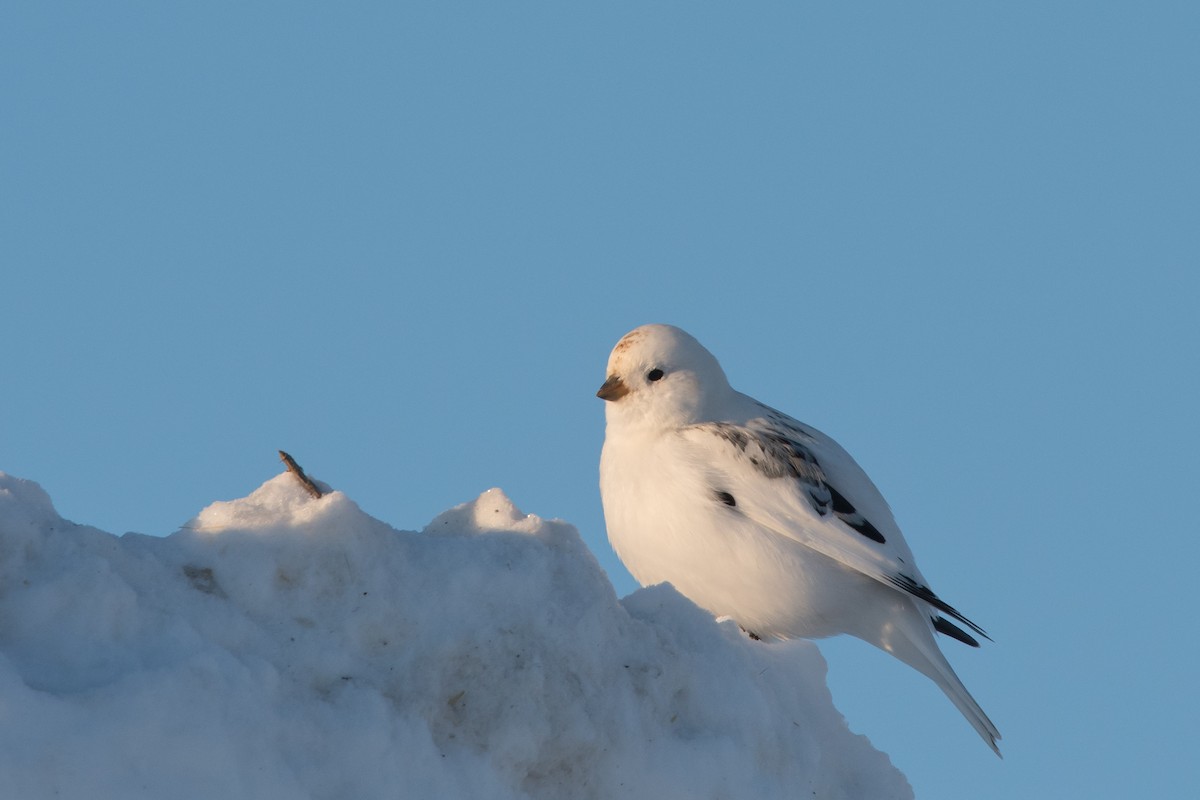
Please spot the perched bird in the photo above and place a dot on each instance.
(758, 517)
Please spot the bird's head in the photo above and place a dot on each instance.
(659, 376)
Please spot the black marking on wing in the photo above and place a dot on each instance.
(725, 497)
(945, 626)
(907, 584)
(849, 515)
(773, 453)
(776, 455)
(778, 450)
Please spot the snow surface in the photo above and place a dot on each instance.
(280, 646)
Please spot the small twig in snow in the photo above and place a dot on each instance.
(295, 469)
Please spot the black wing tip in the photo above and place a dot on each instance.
(920, 592)
(948, 628)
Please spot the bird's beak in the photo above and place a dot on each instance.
(613, 389)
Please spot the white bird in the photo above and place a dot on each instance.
(758, 517)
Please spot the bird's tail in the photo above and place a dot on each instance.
(910, 638)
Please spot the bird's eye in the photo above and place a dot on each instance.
(654, 375)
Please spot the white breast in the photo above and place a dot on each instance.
(666, 525)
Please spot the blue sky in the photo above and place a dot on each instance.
(399, 242)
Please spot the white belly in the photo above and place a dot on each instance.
(666, 525)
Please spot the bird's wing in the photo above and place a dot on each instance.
(799, 483)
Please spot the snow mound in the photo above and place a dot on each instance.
(280, 646)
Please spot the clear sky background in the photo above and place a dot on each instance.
(399, 241)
